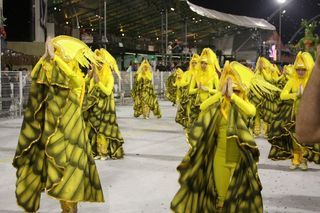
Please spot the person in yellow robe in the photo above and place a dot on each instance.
(171, 89)
(206, 81)
(53, 152)
(219, 172)
(269, 73)
(282, 131)
(186, 99)
(143, 94)
(100, 113)
(178, 84)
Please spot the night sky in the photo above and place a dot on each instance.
(291, 20)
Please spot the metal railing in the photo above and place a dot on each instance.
(14, 89)
(14, 92)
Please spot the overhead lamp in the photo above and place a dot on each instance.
(172, 9)
(281, 1)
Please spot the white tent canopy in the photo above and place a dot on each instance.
(243, 21)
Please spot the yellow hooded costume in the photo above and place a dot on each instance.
(282, 131)
(171, 87)
(100, 113)
(53, 153)
(219, 172)
(143, 94)
(186, 100)
(270, 73)
(205, 82)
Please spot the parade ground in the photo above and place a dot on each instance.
(146, 179)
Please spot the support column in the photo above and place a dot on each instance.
(1, 13)
(185, 32)
(105, 23)
(21, 93)
(166, 61)
(162, 32)
(39, 34)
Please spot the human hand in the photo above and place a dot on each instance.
(224, 89)
(95, 75)
(49, 50)
(300, 93)
(204, 88)
(229, 89)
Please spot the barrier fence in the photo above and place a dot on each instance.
(14, 89)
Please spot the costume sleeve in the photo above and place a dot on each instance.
(213, 99)
(267, 75)
(246, 107)
(75, 80)
(286, 94)
(106, 89)
(175, 83)
(37, 66)
(87, 79)
(185, 79)
(192, 89)
(214, 88)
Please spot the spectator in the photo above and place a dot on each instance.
(133, 67)
(169, 48)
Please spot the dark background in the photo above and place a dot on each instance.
(19, 14)
(19, 19)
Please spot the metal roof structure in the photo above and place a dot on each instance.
(142, 20)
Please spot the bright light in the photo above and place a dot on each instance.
(67, 22)
(92, 29)
(193, 18)
(122, 34)
(139, 36)
(172, 9)
(284, 11)
(157, 38)
(55, 8)
(281, 1)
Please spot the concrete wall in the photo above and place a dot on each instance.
(247, 55)
(29, 48)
